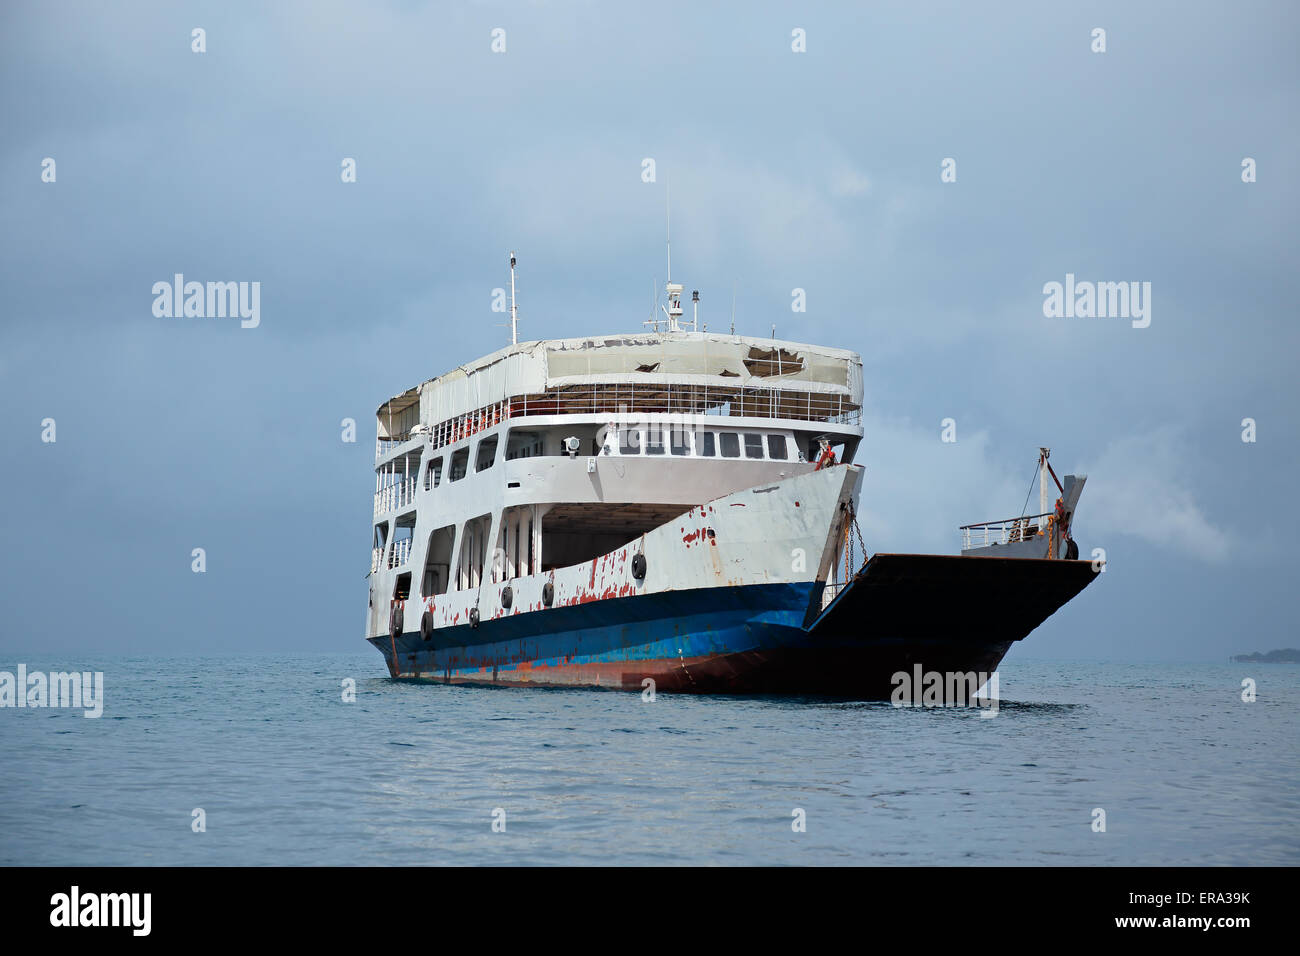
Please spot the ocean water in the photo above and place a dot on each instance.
(286, 772)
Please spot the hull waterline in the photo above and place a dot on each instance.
(899, 612)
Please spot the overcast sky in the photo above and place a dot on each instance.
(817, 170)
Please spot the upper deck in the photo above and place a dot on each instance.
(677, 373)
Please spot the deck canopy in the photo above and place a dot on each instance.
(661, 361)
(399, 414)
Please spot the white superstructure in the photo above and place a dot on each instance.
(494, 478)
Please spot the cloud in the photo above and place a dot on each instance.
(732, 205)
(849, 182)
(919, 490)
(1139, 487)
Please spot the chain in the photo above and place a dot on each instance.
(850, 565)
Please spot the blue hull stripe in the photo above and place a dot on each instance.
(669, 624)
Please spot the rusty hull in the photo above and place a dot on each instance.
(946, 613)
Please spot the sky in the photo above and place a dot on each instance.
(819, 170)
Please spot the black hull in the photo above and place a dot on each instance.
(901, 614)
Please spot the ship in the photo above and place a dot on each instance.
(675, 509)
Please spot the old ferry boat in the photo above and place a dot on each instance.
(674, 506)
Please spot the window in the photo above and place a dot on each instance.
(776, 447)
(487, 454)
(473, 553)
(730, 444)
(629, 441)
(433, 477)
(753, 445)
(654, 443)
(459, 462)
(437, 561)
(704, 444)
(678, 443)
(523, 445)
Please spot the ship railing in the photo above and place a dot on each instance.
(401, 553)
(622, 399)
(1003, 531)
(394, 497)
(739, 401)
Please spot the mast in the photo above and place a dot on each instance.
(514, 313)
(673, 311)
(1043, 454)
(668, 217)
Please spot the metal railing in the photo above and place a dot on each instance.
(627, 399)
(394, 497)
(401, 553)
(738, 401)
(1004, 531)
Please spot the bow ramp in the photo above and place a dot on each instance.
(950, 598)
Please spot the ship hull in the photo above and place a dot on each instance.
(900, 613)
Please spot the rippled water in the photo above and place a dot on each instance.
(287, 773)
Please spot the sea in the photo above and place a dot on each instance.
(321, 759)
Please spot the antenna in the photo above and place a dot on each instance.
(514, 312)
(653, 322)
(733, 308)
(695, 301)
(673, 311)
